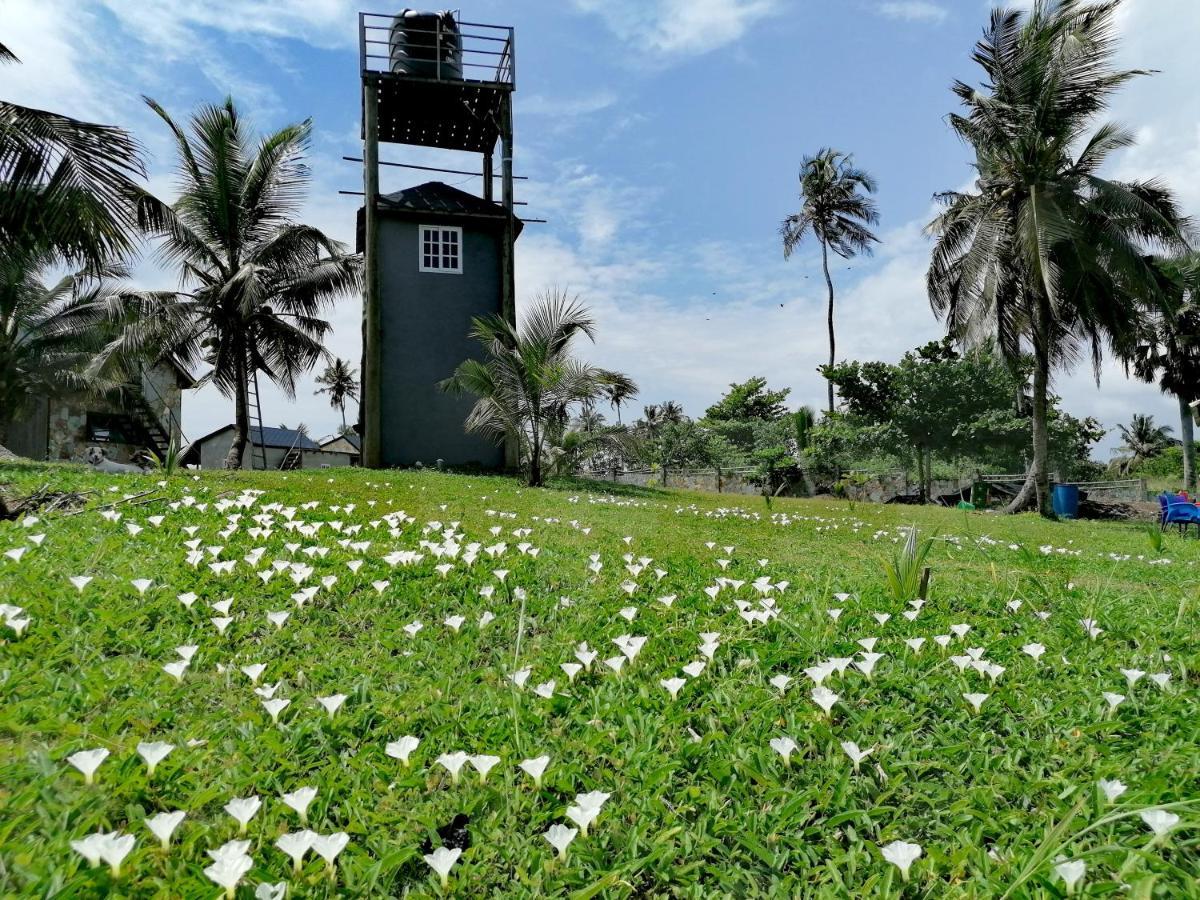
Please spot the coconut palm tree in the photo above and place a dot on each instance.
(836, 211)
(340, 382)
(619, 389)
(529, 377)
(1043, 252)
(1142, 440)
(256, 281)
(68, 188)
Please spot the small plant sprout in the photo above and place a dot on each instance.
(442, 860)
(153, 753)
(453, 763)
(332, 703)
(976, 700)
(163, 825)
(1111, 789)
(673, 686)
(1071, 871)
(295, 844)
(785, 747)
(535, 768)
(275, 706)
(328, 846)
(824, 698)
(483, 763)
(560, 837)
(851, 749)
(299, 800)
(243, 809)
(87, 762)
(402, 748)
(1160, 822)
(902, 855)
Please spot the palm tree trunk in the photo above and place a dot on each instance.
(832, 337)
(342, 407)
(241, 415)
(1187, 439)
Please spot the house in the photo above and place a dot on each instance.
(283, 448)
(345, 443)
(146, 417)
(441, 265)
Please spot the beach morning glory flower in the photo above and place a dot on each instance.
(545, 689)
(228, 869)
(572, 669)
(87, 762)
(243, 809)
(824, 698)
(560, 837)
(673, 686)
(328, 846)
(1033, 650)
(299, 800)
(1159, 821)
(902, 855)
(142, 585)
(856, 755)
(176, 669)
(785, 747)
(1111, 789)
(535, 768)
(332, 703)
(254, 672)
(402, 748)
(694, 668)
(295, 844)
(163, 825)
(275, 706)
(915, 644)
(483, 764)
(453, 763)
(91, 846)
(976, 700)
(615, 663)
(441, 861)
(1161, 679)
(1133, 676)
(780, 682)
(1071, 871)
(80, 582)
(267, 891)
(1113, 700)
(153, 753)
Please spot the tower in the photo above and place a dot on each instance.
(434, 256)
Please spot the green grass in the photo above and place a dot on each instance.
(701, 805)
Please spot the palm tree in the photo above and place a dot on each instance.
(49, 336)
(1044, 251)
(1166, 350)
(619, 389)
(836, 212)
(340, 382)
(68, 187)
(256, 280)
(529, 378)
(1142, 440)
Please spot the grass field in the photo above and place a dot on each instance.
(1003, 801)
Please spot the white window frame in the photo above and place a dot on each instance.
(422, 230)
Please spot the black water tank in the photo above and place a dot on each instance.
(427, 44)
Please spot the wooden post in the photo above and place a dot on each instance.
(923, 593)
(489, 186)
(507, 252)
(372, 417)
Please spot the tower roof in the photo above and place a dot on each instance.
(436, 197)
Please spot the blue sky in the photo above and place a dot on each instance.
(661, 139)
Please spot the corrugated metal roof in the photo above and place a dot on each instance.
(435, 197)
(282, 437)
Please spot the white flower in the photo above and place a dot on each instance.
(785, 747)
(228, 871)
(572, 669)
(781, 682)
(402, 748)
(1133, 676)
(560, 837)
(976, 700)
(1113, 700)
(1111, 789)
(80, 582)
(176, 669)
(1161, 679)
(1033, 650)
(1071, 871)
(87, 762)
(673, 685)
(856, 755)
(275, 707)
(267, 891)
(332, 703)
(328, 846)
(142, 585)
(254, 672)
(243, 810)
(153, 753)
(824, 698)
(441, 861)
(483, 764)
(915, 644)
(91, 847)
(535, 768)
(694, 668)
(902, 855)
(278, 618)
(615, 663)
(1159, 821)
(299, 800)
(453, 763)
(163, 825)
(295, 844)
(519, 677)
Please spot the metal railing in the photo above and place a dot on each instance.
(487, 55)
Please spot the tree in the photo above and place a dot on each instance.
(803, 421)
(68, 188)
(1142, 440)
(340, 382)
(837, 212)
(749, 400)
(529, 378)
(1044, 251)
(255, 280)
(619, 389)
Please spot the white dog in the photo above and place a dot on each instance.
(101, 463)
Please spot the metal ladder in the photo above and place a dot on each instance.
(255, 413)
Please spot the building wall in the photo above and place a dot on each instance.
(214, 450)
(425, 321)
(27, 434)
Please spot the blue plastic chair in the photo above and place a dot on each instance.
(1173, 511)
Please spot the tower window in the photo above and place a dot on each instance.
(441, 249)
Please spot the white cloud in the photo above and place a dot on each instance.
(671, 29)
(566, 107)
(914, 11)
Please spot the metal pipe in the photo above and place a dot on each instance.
(372, 415)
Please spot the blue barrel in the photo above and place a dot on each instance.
(1066, 501)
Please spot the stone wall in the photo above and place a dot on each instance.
(708, 480)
